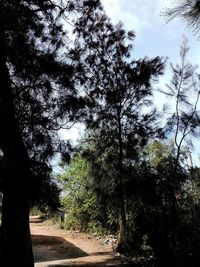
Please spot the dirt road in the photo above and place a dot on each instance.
(56, 247)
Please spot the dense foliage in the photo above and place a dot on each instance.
(117, 90)
(145, 187)
(37, 99)
(84, 207)
(160, 225)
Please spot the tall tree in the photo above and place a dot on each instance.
(117, 89)
(171, 176)
(37, 97)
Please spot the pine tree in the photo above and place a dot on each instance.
(37, 98)
(117, 89)
(189, 11)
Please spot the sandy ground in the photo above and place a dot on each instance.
(56, 247)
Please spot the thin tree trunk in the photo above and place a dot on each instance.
(16, 241)
(122, 230)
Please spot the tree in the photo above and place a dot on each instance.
(87, 205)
(117, 89)
(187, 10)
(78, 199)
(171, 228)
(37, 98)
(170, 217)
(159, 217)
(76, 193)
(184, 123)
(45, 193)
(185, 91)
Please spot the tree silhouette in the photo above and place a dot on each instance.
(117, 89)
(37, 98)
(184, 89)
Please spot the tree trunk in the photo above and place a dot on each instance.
(15, 241)
(122, 226)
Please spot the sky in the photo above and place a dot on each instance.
(154, 37)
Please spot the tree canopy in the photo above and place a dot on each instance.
(117, 90)
(37, 99)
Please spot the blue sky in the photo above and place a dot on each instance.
(154, 37)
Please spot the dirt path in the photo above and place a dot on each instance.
(56, 247)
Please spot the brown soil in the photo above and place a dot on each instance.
(53, 246)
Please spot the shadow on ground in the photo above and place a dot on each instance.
(37, 219)
(105, 263)
(48, 248)
(99, 264)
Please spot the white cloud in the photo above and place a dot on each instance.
(136, 14)
(154, 36)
